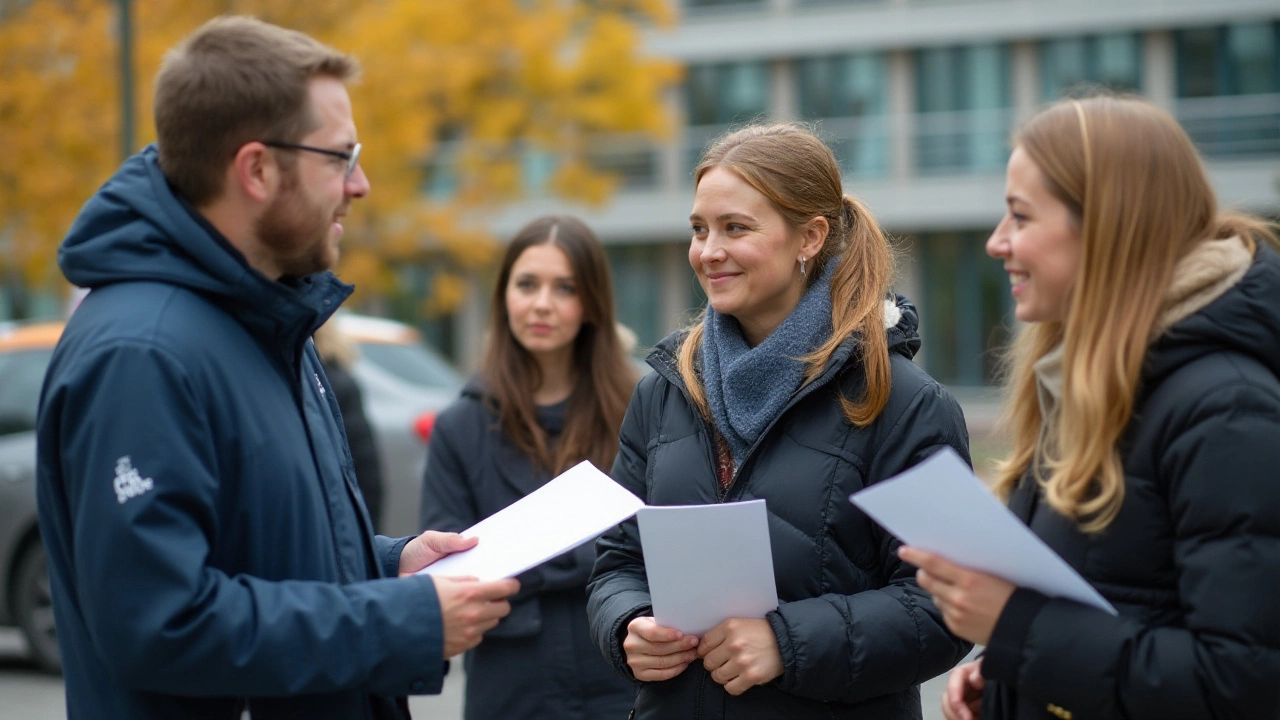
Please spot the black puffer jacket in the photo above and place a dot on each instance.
(1192, 563)
(856, 634)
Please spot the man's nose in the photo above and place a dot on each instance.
(357, 185)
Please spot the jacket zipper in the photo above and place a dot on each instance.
(294, 366)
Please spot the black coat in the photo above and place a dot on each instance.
(539, 661)
(1192, 563)
(855, 632)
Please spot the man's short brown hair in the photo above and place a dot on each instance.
(233, 81)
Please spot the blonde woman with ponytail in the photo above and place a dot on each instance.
(796, 387)
(1144, 407)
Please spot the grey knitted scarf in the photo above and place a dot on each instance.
(747, 387)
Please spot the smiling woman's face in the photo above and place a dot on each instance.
(745, 254)
(1038, 241)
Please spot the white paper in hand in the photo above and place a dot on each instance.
(707, 563)
(942, 507)
(575, 507)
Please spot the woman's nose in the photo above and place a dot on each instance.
(998, 243)
(712, 249)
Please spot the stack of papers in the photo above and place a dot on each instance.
(707, 563)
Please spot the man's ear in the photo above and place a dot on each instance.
(254, 171)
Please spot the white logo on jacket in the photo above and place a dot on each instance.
(129, 482)
(318, 383)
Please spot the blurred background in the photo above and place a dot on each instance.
(477, 115)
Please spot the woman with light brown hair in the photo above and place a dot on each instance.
(1144, 405)
(796, 387)
(551, 392)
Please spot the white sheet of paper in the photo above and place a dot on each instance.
(575, 507)
(707, 563)
(942, 507)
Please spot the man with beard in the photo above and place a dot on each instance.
(208, 548)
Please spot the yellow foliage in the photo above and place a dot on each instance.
(448, 292)
(497, 78)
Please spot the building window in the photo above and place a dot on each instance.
(1229, 88)
(1230, 60)
(966, 309)
(637, 283)
(847, 93)
(964, 115)
(537, 166)
(633, 164)
(1112, 61)
(727, 93)
(721, 95)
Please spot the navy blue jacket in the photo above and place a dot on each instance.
(208, 548)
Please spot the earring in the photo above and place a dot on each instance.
(802, 273)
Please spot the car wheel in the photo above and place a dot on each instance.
(33, 607)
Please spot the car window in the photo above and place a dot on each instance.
(413, 363)
(21, 374)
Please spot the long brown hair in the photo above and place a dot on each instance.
(603, 375)
(1141, 200)
(799, 175)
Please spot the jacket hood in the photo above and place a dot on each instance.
(904, 339)
(1244, 319)
(136, 228)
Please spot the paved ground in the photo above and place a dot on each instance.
(26, 694)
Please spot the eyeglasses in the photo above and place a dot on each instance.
(352, 158)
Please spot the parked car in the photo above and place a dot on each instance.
(405, 384)
(24, 579)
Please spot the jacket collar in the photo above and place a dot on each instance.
(903, 339)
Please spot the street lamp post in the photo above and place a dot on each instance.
(126, 78)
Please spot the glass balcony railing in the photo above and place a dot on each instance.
(958, 143)
(962, 142)
(632, 161)
(1233, 127)
(861, 145)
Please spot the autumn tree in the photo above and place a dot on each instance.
(465, 88)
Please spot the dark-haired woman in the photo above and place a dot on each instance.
(797, 387)
(551, 392)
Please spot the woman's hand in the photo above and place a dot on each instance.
(963, 697)
(970, 601)
(740, 654)
(656, 653)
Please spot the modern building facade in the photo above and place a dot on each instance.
(918, 98)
